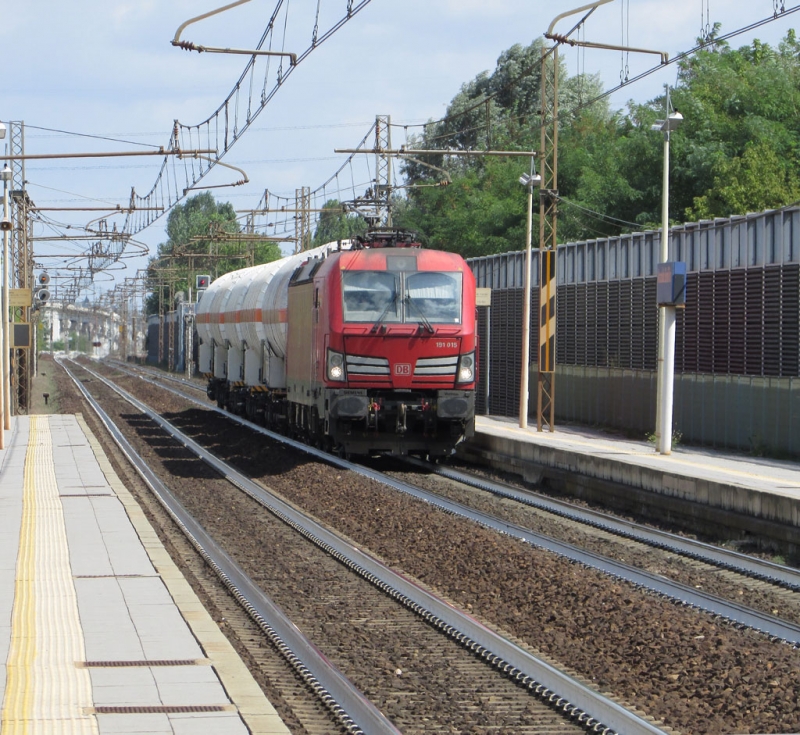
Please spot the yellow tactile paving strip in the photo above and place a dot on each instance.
(46, 692)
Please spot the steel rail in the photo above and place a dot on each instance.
(353, 710)
(682, 594)
(566, 693)
(158, 375)
(758, 568)
(750, 566)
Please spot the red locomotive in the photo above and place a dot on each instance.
(365, 347)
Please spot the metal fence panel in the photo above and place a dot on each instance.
(738, 334)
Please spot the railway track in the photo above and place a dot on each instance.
(504, 698)
(710, 560)
(634, 653)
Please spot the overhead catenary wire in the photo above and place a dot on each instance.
(238, 111)
(170, 189)
(598, 215)
(90, 135)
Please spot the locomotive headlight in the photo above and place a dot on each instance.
(335, 366)
(466, 368)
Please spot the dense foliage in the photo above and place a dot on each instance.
(737, 151)
(204, 238)
(336, 224)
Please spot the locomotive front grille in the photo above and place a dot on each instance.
(360, 365)
(436, 366)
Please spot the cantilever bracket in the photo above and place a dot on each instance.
(189, 46)
(591, 7)
(243, 180)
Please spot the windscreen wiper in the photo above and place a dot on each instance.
(378, 323)
(423, 319)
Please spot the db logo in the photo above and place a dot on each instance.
(402, 368)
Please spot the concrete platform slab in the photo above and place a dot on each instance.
(755, 494)
(99, 632)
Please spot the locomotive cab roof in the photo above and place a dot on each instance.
(387, 238)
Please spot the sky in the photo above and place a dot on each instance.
(107, 68)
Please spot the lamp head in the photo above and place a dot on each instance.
(673, 121)
(6, 173)
(530, 180)
(2, 130)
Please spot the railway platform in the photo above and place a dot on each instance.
(705, 488)
(99, 630)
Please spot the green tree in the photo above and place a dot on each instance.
(742, 132)
(483, 209)
(752, 182)
(336, 224)
(203, 237)
(737, 151)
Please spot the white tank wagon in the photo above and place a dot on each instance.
(213, 352)
(241, 323)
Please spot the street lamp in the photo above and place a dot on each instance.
(5, 225)
(530, 181)
(666, 314)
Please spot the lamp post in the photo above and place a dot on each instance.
(528, 180)
(666, 314)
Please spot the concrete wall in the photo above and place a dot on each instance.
(732, 411)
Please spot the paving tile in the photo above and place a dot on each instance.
(192, 685)
(125, 696)
(133, 724)
(208, 723)
(112, 676)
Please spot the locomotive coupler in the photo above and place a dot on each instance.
(401, 419)
(429, 418)
(372, 416)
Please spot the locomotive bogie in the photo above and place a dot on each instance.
(400, 423)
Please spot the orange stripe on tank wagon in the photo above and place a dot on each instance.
(274, 316)
(247, 315)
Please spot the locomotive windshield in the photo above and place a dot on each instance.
(421, 297)
(433, 296)
(370, 296)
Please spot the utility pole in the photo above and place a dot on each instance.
(22, 277)
(548, 208)
(548, 224)
(189, 358)
(160, 324)
(303, 219)
(376, 204)
(383, 169)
